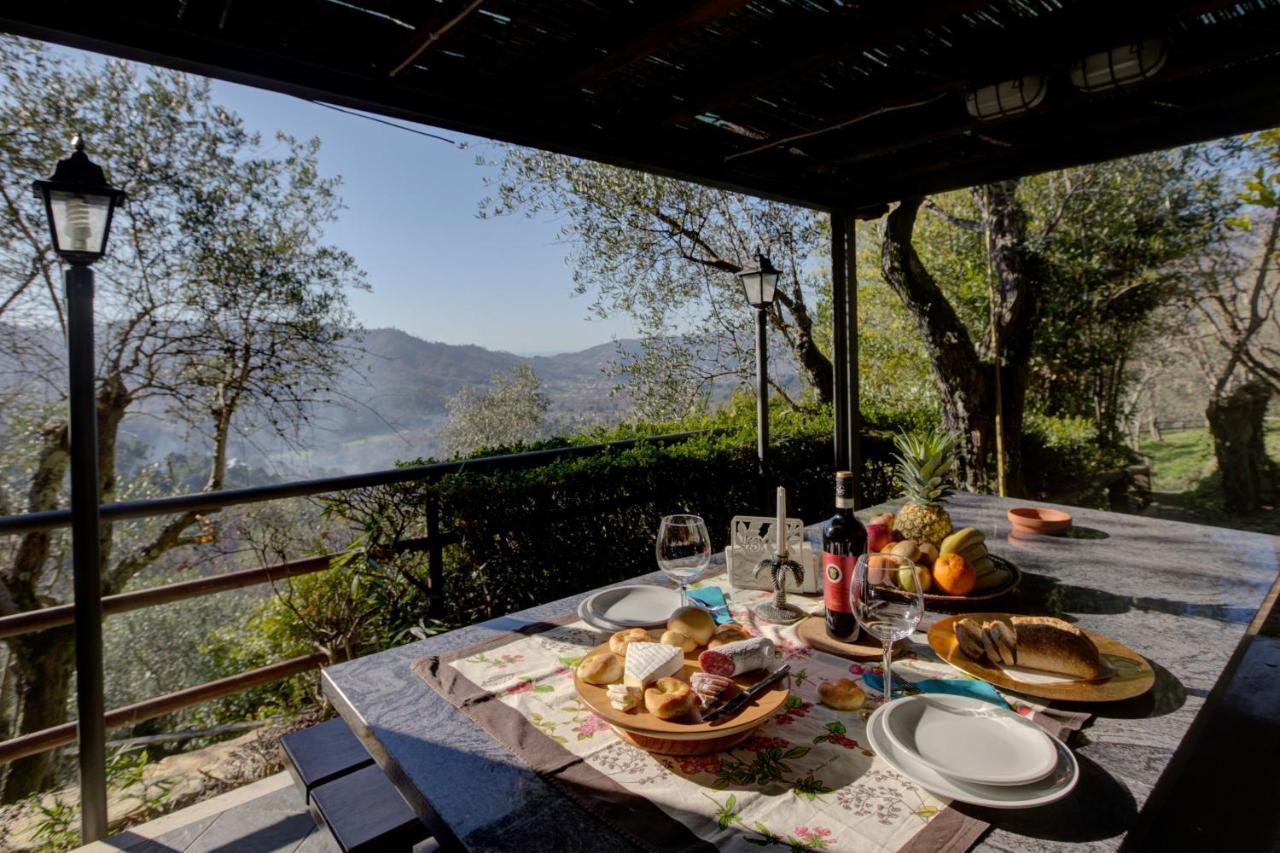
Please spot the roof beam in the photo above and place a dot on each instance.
(432, 30)
(651, 33)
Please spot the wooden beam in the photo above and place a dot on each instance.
(649, 33)
(432, 30)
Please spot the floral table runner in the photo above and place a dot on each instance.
(806, 780)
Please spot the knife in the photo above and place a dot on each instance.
(737, 703)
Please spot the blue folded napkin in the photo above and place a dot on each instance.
(955, 686)
(712, 597)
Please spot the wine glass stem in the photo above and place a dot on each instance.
(888, 670)
(684, 594)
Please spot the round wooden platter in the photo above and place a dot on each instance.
(941, 601)
(1131, 674)
(813, 633)
(685, 735)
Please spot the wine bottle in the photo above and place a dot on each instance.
(843, 540)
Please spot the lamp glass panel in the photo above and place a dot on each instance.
(80, 221)
(768, 287)
(752, 286)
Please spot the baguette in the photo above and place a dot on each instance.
(1055, 646)
(1034, 642)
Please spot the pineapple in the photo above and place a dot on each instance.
(925, 465)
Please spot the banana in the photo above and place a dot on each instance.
(974, 552)
(996, 578)
(961, 539)
(983, 566)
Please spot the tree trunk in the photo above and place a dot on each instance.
(1237, 422)
(966, 382)
(43, 663)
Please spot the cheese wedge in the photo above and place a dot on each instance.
(647, 662)
(622, 697)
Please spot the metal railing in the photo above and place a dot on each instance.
(433, 543)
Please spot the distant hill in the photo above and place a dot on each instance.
(391, 405)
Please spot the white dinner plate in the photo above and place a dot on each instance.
(633, 606)
(1053, 787)
(967, 738)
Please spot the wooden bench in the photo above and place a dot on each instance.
(347, 793)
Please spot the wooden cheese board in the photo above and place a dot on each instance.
(1130, 673)
(685, 735)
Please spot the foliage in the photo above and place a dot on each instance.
(512, 410)
(664, 253)
(1063, 452)
(220, 306)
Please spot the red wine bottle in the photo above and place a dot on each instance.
(844, 539)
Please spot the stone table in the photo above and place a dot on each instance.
(1180, 594)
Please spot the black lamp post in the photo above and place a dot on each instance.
(760, 283)
(80, 204)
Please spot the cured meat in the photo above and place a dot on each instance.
(708, 686)
(736, 658)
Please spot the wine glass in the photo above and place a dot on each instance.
(884, 605)
(683, 549)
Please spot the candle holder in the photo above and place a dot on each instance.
(780, 611)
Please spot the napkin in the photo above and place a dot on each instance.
(955, 686)
(712, 597)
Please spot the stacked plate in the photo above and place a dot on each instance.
(969, 750)
(632, 606)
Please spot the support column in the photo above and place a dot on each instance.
(762, 395)
(844, 351)
(87, 580)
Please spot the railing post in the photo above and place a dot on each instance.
(435, 557)
(87, 574)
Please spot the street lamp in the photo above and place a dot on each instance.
(80, 204)
(760, 284)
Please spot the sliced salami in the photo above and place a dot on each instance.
(736, 658)
(708, 686)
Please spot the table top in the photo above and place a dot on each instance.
(1181, 594)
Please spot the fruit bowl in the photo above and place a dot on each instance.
(1034, 519)
(977, 598)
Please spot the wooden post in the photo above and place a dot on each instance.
(844, 349)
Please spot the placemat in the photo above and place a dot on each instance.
(804, 781)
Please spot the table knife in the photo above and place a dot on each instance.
(738, 702)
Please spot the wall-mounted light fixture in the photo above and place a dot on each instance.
(1006, 98)
(1119, 66)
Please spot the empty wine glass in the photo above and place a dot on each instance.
(683, 549)
(887, 602)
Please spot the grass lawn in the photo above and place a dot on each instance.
(1185, 480)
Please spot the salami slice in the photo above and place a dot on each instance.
(736, 658)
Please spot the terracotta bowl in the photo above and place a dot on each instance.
(1034, 519)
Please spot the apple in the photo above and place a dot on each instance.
(885, 518)
(907, 578)
(879, 537)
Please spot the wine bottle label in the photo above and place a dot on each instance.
(837, 577)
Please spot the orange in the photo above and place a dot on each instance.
(953, 575)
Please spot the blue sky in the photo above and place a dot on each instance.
(436, 270)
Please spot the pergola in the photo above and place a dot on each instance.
(834, 105)
(837, 105)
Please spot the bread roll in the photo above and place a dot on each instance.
(675, 638)
(600, 668)
(730, 632)
(843, 694)
(669, 698)
(1052, 645)
(694, 622)
(618, 642)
